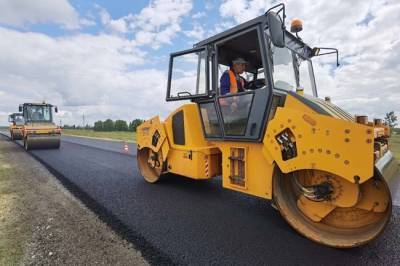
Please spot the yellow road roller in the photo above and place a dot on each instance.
(16, 123)
(39, 131)
(330, 174)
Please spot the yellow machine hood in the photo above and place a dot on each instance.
(323, 107)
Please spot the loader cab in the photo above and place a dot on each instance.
(278, 63)
(37, 113)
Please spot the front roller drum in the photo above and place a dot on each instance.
(335, 226)
(150, 164)
(42, 142)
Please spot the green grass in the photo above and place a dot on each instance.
(115, 135)
(394, 143)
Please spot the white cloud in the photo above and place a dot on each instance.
(198, 15)
(80, 73)
(366, 34)
(115, 26)
(243, 10)
(106, 75)
(20, 13)
(197, 33)
(154, 25)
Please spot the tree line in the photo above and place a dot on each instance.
(117, 125)
(110, 125)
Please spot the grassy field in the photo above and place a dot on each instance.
(115, 135)
(395, 145)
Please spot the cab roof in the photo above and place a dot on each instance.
(38, 104)
(16, 114)
(258, 20)
(240, 46)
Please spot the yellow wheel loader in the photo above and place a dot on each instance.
(331, 175)
(39, 131)
(16, 123)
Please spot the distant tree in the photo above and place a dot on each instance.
(134, 124)
(108, 125)
(98, 126)
(391, 119)
(121, 125)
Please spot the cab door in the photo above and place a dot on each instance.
(239, 116)
(188, 77)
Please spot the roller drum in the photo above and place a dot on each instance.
(42, 142)
(17, 135)
(388, 168)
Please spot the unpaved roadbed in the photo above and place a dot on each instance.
(41, 223)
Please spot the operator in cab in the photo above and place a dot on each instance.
(231, 81)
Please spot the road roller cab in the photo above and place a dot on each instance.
(330, 174)
(39, 130)
(16, 123)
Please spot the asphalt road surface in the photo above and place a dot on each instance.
(182, 221)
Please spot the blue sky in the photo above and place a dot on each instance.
(108, 59)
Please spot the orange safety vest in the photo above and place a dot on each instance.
(233, 88)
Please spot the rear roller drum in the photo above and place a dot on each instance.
(331, 210)
(150, 164)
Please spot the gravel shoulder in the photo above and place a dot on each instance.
(41, 223)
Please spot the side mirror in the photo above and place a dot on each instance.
(56, 109)
(276, 29)
(20, 108)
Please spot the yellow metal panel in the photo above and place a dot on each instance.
(201, 164)
(259, 171)
(40, 129)
(324, 143)
(193, 127)
(145, 132)
(15, 127)
(293, 103)
(316, 211)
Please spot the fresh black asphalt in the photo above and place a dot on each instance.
(115, 145)
(182, 221)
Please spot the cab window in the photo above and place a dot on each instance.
(188, 77)
(236, 107)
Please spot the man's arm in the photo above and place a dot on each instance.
(225, 83)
